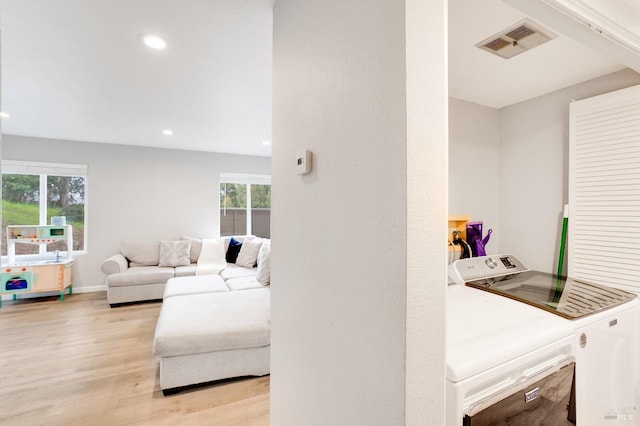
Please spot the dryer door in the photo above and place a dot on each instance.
(546, 399)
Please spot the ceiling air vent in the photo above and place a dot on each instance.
(516, 39)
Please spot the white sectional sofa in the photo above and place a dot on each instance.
(141, 269)
(215, 319)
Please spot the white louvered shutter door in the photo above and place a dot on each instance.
(604, 189)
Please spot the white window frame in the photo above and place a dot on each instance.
(16, 167)
(244, 179)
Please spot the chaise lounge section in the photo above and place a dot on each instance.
(207, 332)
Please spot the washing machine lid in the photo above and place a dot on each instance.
(485, 330)
(566, 297)
(507, 276)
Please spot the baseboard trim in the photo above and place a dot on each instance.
(76, 290)
(91, 289)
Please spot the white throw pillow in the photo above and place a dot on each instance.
(141, 253)
(175, 253)
(196, 247)
(248, 255)
(264, 263)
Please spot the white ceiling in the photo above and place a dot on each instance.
(481, 77)
(74, 69)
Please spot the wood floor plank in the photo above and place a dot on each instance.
(80, 362)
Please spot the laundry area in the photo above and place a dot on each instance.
(526, 347)
(535, 347)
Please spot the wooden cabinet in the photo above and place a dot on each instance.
(53, 277)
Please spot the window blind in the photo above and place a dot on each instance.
(245, 178)
(604, 189)
(37, 168)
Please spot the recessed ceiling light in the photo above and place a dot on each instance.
(167, 132)
(153, 41)
(266, 143)
(4, 115)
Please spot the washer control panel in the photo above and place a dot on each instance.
(478, 268)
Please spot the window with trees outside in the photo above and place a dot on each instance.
(245, 205)
(34, 192)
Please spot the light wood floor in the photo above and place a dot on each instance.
(79, 362)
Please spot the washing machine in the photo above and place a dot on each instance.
(529, 348)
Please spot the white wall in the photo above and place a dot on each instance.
(534, 169)
(344, 272)
(509, 168)
(474, 165)
(138, 193)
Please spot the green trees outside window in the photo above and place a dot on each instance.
(34, 199)
(245, 208)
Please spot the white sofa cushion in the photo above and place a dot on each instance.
(194, 285)
(141, 253)
(235, 271)
(186, 271)
(211, 322)
(263, 273)
(248, 255)
(243, 283)
(175, 253)
(140, 275)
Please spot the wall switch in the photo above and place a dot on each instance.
(303, 162)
